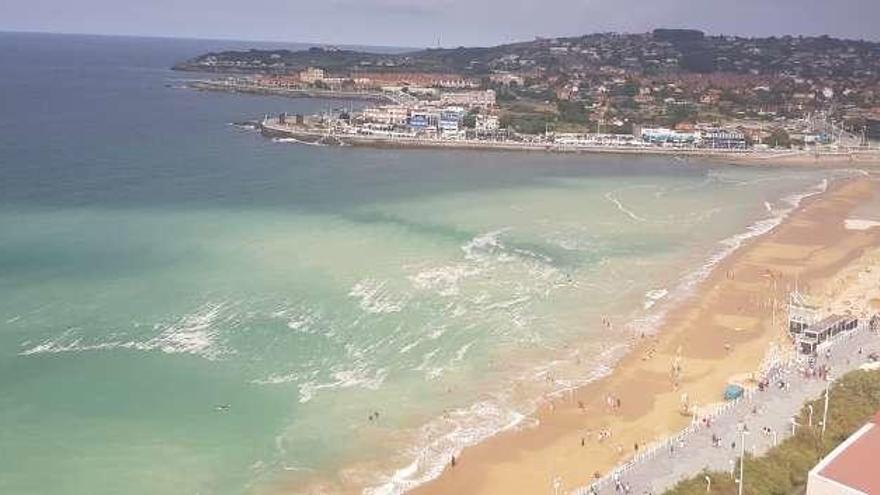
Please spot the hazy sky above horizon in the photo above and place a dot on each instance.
(418, 23)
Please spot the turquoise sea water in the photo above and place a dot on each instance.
(187, 308)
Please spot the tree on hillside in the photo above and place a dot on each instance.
(779, 138)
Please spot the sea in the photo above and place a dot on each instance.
(189, 308)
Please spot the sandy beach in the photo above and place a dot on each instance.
(720, 334)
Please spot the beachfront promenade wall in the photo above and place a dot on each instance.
(660, 466)
(311, 136)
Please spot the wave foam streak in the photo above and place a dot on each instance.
(194, 333)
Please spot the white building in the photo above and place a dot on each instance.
(311, 75)
(388, 114)
(487, 123)
(469, 99)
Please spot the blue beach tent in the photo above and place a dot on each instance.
(733, 392)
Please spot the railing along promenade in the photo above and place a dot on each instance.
(773, 370)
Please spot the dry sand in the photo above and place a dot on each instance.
(721, 333)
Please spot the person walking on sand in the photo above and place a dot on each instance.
(452, 462)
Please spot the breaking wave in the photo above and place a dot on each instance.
(374, 297)
(194, 333)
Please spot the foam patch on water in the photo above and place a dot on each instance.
(443, 280)
(374, 297)
(194, 333)
(348, 378)
(484, 255)
(653, 296)
(623, 209)
(283, 378)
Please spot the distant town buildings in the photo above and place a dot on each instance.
(480, 99)
(387, 114)
(311, 75)
(666, 88)
(414, 79)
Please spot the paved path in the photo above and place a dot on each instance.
(663, 465)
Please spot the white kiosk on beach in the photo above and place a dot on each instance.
(801, 314)
(809, 330)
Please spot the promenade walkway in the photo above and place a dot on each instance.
(766, 416)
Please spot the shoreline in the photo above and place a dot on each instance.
(684, 288)
(748, 157)
(525, 460)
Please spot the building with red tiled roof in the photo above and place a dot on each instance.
(853, 468)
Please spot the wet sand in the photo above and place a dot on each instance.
(721, 333)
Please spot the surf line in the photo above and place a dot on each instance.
(610, 197)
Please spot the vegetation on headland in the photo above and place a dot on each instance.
(855, 398)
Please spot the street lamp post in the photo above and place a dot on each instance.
(825, 412)
(742, 458)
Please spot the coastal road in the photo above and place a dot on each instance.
(773, 408)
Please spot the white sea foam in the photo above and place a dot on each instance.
(484, 244)
(443, 280)
(462, 351)
(447, 436)
(620, 206)
(408, 347)
(652, 296)
(299, 322)
(484, 254)
(349, 378)
(569, 243)
(282, 378)
(193, 333)
(374, 297)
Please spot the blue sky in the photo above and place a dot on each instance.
(422, 22)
